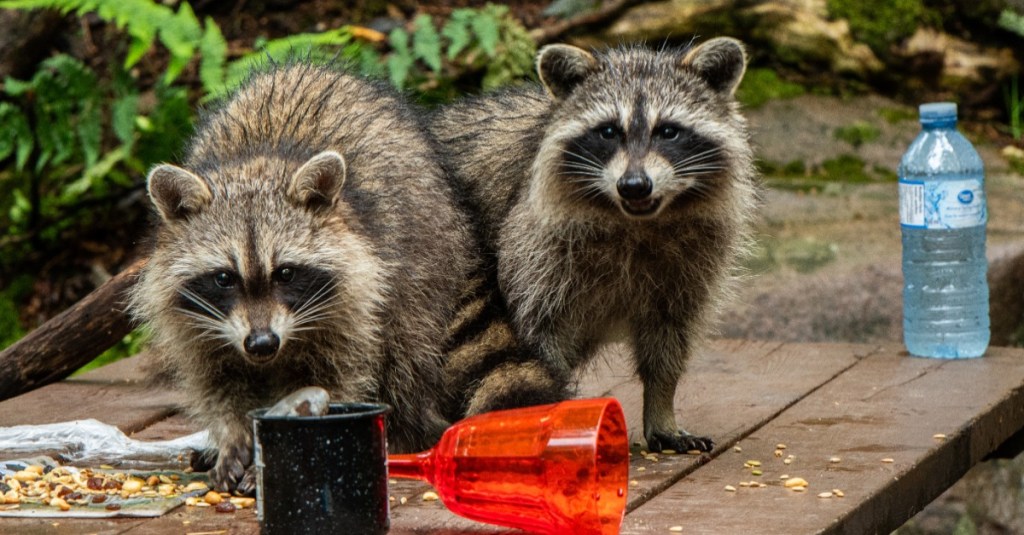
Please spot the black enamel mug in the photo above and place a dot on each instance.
(322, 474)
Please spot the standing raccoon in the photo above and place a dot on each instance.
(617, 202)
(298, 245)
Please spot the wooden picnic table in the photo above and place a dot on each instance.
(867, 420)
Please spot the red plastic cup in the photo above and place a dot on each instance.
(560, 468)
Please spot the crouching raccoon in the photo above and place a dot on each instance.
(617, 199)
(302, 243)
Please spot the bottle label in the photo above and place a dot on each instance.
(946, 204)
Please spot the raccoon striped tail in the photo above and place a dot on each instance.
(486, 368)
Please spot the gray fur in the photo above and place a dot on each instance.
(314, 167)
(576, 268)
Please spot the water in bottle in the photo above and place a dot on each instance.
(942, 217)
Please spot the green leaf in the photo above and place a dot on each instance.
(90, 131)
(17, 88)
(214, 51)
(487, 27)
(426, 43)
(15, 135)
(400, 61)
(456, 30)
(122, 117)
(317, 47)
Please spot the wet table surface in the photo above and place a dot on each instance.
(891, 432)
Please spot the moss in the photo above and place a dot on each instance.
(846, 168)
(858, 133)
(897, 115)
(882, 23)
(761, 85)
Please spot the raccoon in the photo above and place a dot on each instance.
(300, 244)
(617, 199)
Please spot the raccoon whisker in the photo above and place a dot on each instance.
(583, 178)
(699, 157)
(319, 294)
(203, 303)
(200, 320)
(311, 319)
(697, 172)
(570, 168)
(592, 160)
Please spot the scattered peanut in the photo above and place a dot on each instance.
(60, 503)
(939, 436)
(38, 469)
(676, 529)
(834, 460)
(795, 482)
(827, 494)
(888, 460)
(430, 496)
(25, 476)
(243, 502)
(195, 485)
(730, 488)
(838, 493)
(132, 485)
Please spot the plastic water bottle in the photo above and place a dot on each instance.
(942, 216)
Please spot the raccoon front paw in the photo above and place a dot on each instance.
(247, 486)
(232, 465)
(679, 441)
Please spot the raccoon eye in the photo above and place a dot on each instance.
(667, 132)
(224, 279)
(285, 274)
(608, 132)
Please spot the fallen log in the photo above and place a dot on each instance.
(71, 339)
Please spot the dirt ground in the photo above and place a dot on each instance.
(827, 264)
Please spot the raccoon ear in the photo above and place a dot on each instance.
(177, 193)
(562, 67)
(317, 184)
(721, 62)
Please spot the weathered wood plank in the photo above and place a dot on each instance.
(886, 406)
(69, 340)
(116, 394)
(732, 388)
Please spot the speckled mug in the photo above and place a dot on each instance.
(322, 474)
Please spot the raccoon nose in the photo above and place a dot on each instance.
(634, 186)
(262, 343)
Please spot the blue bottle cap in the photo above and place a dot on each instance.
(937, 111)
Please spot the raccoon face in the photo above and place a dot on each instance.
(257, 313)
(246, 261)
(638, 167)
(642, 130)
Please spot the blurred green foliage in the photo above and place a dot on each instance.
(762, 85)
(883, 23)
(857, 133)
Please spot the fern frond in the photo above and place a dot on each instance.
(313, 46)
(213, 52)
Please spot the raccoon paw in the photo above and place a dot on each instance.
(680, 441)
(231, 467)
(247, 486)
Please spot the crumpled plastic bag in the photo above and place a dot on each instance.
(93, 442)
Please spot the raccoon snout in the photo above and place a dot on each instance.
(262, 343)
(634, 186)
